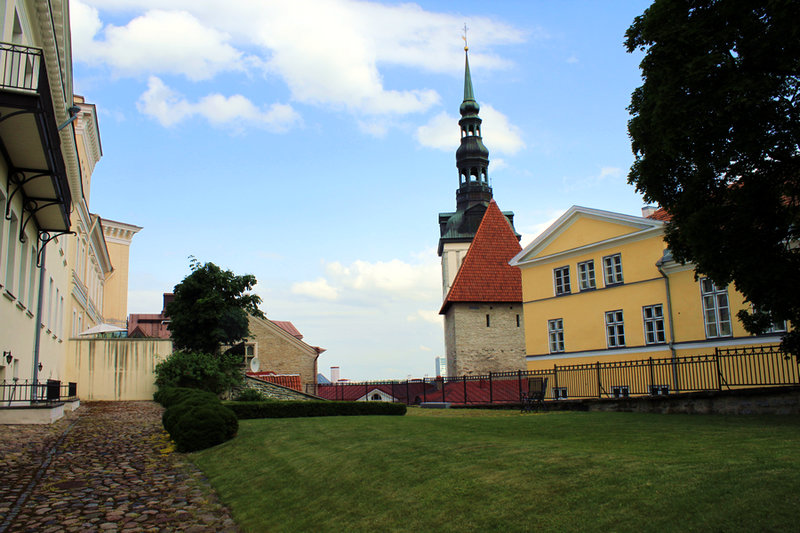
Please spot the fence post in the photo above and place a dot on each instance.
(491, 401)
(465, 389)
(599, 383)
(408, 394)
(424, 391)
(719, 371)
(519, 382)
(443, 386)
(652, 377)
(555, 378)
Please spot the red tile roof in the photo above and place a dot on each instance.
(291, 381)
(485, 275)
(660, 214)
(288, 327)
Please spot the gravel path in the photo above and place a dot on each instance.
(109, 466)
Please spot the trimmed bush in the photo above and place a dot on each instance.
(298, 409)
(196, 427)
(215, 373)
(169, 396)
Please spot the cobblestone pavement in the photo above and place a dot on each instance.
(109, 466)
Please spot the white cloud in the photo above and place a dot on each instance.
(395, 278)
(331, 59)
(157, 41)
(318, 288)
(428, 315)
(500, 136)
(169, 108)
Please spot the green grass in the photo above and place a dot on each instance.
(471, 470)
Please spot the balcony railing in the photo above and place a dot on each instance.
(15, 393)
(20, 67)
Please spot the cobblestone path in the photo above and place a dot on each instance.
(109, 466)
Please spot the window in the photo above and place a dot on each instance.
(653, 316)
(716, 312)
(559, 393)
(586, 275)
(487, 321)
(777, 327)
(2, 232)
(32, 279)
(517, 320)
(23, 270)
(561, 277)
(555, 332)
(615, 329)
(612, 267)
(11, 252)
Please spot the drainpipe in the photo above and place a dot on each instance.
(38, 323)
(671, 327)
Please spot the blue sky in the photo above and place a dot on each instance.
(312, 144)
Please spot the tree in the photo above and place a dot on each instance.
(210, 309)
(716, 138)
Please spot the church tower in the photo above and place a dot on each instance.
(457, 229)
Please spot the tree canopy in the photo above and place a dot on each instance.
(715, 131)
(211, 308)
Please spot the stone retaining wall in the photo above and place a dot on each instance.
(272, 390)
(756, 401)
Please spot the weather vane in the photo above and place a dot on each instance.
(465, 37)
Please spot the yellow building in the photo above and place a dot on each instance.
(602, 287)
(54, 260)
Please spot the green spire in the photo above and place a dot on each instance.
(469, 107)
(468, 92)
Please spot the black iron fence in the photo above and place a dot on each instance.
(15, 393)
(19, 67)
(757, 366)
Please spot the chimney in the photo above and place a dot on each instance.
(649, 210)
(334, 374)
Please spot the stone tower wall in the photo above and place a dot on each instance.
(473, 348)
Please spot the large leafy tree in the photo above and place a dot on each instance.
(715, 129)
(210, 308)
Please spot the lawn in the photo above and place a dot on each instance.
(472, 470)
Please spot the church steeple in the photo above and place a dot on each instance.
(472, 157)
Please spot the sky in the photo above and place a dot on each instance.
(312, 144)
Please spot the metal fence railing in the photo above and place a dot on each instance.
(15, 393)
(19, 67)
(758, 366)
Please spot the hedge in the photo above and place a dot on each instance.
(298, 409)
(169, 396)
(195, 419)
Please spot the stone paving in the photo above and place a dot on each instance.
(109, 466)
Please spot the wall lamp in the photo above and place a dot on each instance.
(8, 356)
(40, 367)
(73, 114)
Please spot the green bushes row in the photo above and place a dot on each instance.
(195, 419)
(297, 409)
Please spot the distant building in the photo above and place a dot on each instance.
(441, 366)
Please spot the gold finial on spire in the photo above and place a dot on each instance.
(466, 48)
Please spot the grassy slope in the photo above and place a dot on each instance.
(501, 471)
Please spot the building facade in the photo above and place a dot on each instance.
(599, 286)
(53, 255)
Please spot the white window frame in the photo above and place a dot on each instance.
(653, 320)
(555, 335)
(716, 310)
(612, 270)
(586, 278)
(561, 282)
(615, 329)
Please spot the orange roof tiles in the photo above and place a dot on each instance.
(291, 381)
(288, 327)
(485, 275)
(660, 214)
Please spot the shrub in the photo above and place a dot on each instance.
(195, 426)
(250, 395)
(214, 373)
(169, 396)
(296, 409)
